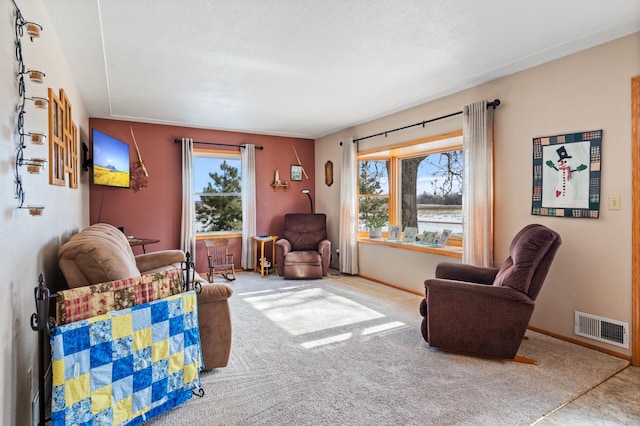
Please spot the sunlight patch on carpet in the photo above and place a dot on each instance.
(382, 327)
(311, 310)
(327, 340)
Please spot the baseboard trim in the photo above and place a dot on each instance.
(581, 343)
(408, 290)
(536, 329)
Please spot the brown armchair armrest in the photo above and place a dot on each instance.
(284, 245)
(470, 291)
(214, 292)
(323, 246)
(467, 273)
(158, 259)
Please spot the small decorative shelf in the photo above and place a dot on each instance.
(280, 185)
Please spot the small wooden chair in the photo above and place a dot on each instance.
(220, 260)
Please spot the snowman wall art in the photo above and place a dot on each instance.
(566, 175)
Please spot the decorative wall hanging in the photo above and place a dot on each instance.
(296, 172)
(328, 173)
(299, 164)
(566, 175)
(139, 175)
(56, 140)
(33, 165)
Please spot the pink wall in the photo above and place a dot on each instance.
(154, 212)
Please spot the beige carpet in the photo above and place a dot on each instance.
(345, 351)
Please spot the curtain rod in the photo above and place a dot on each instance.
(219, 144)
(493, 104)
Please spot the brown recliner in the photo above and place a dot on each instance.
(303, 252)
(101, 253)
(486, 311)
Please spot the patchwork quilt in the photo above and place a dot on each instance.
(126, 366)
(86, 302)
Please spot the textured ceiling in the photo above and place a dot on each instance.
(308, 68)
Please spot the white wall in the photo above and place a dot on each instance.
(588, 90)
(30, 244)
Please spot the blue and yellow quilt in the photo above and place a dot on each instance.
(126, 366)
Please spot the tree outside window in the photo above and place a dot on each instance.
(428, 193)
(432, 191)
(373, 206)
(218, 198)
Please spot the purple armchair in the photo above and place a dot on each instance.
(304, 251)
(486, 311)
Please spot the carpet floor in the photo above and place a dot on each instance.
(347, 351)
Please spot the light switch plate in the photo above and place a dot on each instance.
(614, 202)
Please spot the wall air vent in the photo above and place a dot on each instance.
(602, 329)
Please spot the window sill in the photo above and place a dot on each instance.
(447, 250)
(220, 234)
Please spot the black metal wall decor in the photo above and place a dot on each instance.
(33, 165)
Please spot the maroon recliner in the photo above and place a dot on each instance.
(486, 311)
(303, 252)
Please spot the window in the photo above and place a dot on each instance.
(373, 193)
(418, 184)
(217, 192)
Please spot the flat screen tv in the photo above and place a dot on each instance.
(110, 161)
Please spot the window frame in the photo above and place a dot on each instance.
(222, 155)
(395, 154)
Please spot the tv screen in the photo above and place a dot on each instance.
(110, 161)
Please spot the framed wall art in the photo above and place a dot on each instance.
(566, 175)
(296, 172)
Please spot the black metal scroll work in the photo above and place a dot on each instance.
(45, 326)
(189, 275)
(34, 165)
(189, 283)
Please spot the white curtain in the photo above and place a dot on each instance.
(348, 209)
(477, 203)
(187, 228)
(248, 157)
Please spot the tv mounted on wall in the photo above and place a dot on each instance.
(110, 161)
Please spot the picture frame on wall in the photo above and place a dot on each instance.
(566, 175)
(296, 172)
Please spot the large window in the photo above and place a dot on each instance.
(217, 192)
(418, 185)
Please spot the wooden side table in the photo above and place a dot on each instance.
(142, 242)
(263, 239)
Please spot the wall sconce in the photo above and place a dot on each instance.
(37, 138)
(36, 76)
(308, 192)
(33, 210)
(34, 165)
(39, 102)
(33, 29)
